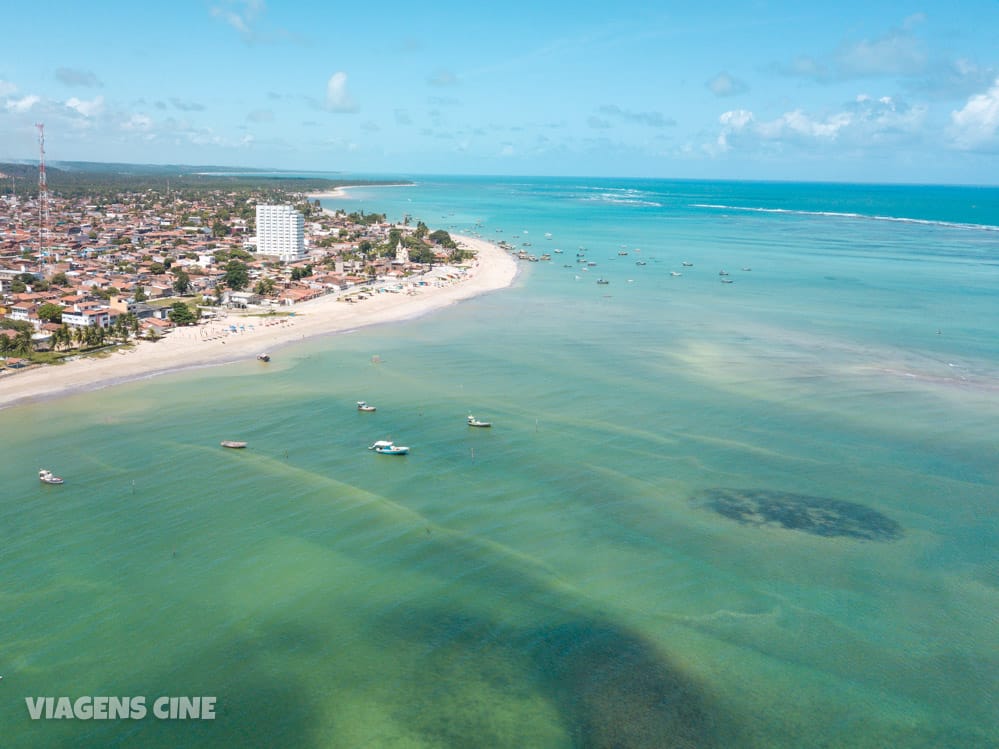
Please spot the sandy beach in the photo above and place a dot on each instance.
(200, 346)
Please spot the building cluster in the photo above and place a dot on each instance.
(130, 258)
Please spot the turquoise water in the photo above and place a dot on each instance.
(565, 578)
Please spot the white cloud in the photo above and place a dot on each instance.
(796, 123)
(736, 119)
(896, 53)
(24, 104)
(239, 14)
(338, 99)
(724, 84)
(138, 122)
(86, 108)
(864, 123)
(6, 88)
(976, 125)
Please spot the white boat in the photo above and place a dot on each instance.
(264, 357)
(47, 477)
(603, 281)
(233, 444)
(473, 422)
(363, 406)
(385, 447)
(685, 264)
(675, 273)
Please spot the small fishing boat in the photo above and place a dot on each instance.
(603, 281)
(675, 273)
(47, 477)
(723, 273)
(640, 262)
(685, 264)
(264, 357)
(233, 444)
(727, 280)
(385, 447)
(622, 252)
(473, 422)
(364, 406)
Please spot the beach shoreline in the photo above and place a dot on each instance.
(214, 344)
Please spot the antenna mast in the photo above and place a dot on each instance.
(43, 190)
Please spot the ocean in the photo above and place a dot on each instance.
(751, 514)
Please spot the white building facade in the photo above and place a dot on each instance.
(280, 232)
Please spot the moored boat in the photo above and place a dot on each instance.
(233, 444)
(264, 357)
(473, 422)
(47, 477)
(603, 281)
(364, 406)
(386, 447)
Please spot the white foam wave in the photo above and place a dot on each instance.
(862, 216)
(620, 199)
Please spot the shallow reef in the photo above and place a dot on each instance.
(820, 516)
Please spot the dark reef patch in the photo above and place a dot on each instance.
(616, 691)
(611, 688)
(819, 516)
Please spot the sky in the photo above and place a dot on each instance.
(849, 91)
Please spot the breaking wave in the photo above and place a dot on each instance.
(861, 216)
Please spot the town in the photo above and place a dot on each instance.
(86, 273)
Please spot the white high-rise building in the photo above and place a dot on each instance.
(280, 232)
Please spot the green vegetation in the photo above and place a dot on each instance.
(181, 282)
(236, 275)
(180, 314)
(50, 312)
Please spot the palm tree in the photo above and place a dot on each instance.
(23, 343)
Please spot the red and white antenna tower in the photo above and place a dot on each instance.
(43, 190)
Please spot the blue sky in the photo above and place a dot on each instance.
(847, 91)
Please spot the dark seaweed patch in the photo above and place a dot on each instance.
(819, 516)
(612, 688)
(615, 690)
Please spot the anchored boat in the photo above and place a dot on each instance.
(385, 447)
(47, 477)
